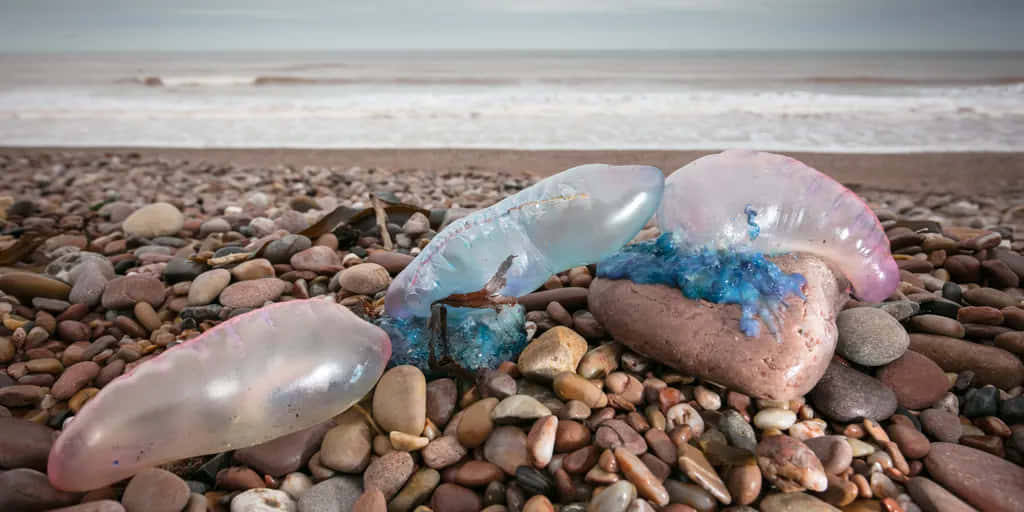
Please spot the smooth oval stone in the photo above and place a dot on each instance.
(794, 502)
(834, 452)
(24, 444)
(917, 381)
(870, 336)
(253, 293)
(262, 500)
(704, 339)
(28, 489)
(790, 465)
(990, 365)
(614, 498)
(153, 220)
(157, 490)
(932, 497)
(400, 400)
(338, 494)
(27, 285)
(844, 394)
(982, 479)
(937, 324)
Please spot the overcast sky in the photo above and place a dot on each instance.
(113, 25)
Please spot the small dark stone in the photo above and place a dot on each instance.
(981, 402)
(182, 269)
(534, 482)
(494, 494)
(208, 471)
(963, 381)
(939, 307)
(1012, 410)
(200, 313)
(224, 251)
(282, 249)
(197, 487)
(123, 266)
(952, 291)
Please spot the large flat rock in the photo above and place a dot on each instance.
(704, 339)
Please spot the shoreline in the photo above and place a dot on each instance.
(962, 173)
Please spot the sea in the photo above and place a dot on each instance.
(875, 102)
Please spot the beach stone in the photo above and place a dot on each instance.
(346, 447)
(389, 473)
(372, 500)
(124, 292)
(477, 473)
(153, 220)
(557, 350)
(283, 455)
(844, 394)
(648, 486)
(364, 278)
(614, 498)
(71, 330)
(915, 379)
(937, 324)
(252, 294)
(773, 417)
(88, 288)
(736, 429)
(21, 395)
(912, 443)
(506, 447)
(834, 453)
(979, 315)
(477, 423)
(1012, 410)
(990, 365)
(703, 339)
(442, 395)
(25, 489)
(691, 495)
(28, 285)
(941, 424)
(316, 259)
(24, 444)
(337, 494)
(932, 497)
(790, 465)
(795, 502)
(900, 309)
(400, 400)
(990, 297)
(744, 483)
(697, 468)
(442, 452)
(238, 478)
(282, 249)
(870, 337)
(999, 274)
(252, 269)
(74, 378)
(394, 262)
(263, 500)
(540, 442)
(95, 506)
(519, 408)
(416, 491)
(963, 268)
(182, 269)
(155, 490)
(1012, 342)
(450, 497)
(570, 386)
(982, 401)
(982, 479)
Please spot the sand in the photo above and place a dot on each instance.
(962, 173)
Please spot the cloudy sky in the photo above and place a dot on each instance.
(114, 25)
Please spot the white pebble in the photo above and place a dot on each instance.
(263, 500)
(774, 418)
(295, 484)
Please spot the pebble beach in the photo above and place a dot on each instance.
(110, 257)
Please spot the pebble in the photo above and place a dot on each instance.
(477, 424)
(991, 365)
(556, 351)
(571, 436)
(697, 468)
(101, 506)
(394, 262)
(28, 489)
(833, 451)
(790, 465)
(570, 386)
(990, 297)
(442, 395)
(744, 483)
(454, 498)
(478, 473)
(282, 249)
(519, 408)
(124, 292)
(442, 452)
(182, 269)
(24, 444)
(983, 480)
(296, 484)
(776, 418)
(869, 336)
(941, 424)
(88, 288)
(263, 500)
(915, 379)
(153, 220)
(317, 259)
(252, 294)
(364, 278)
(982, 401)
(614, 498)
(736, 429)
(691, 495)
(844, 394)
(337, 494)
(912, 443)
(416, 491)
(506, 447)
(540, 442)
(74, 378)
(389, 473)
(932, 497)
(346, 447)
(27, 285)
(400, 400)
(371, 501)
(155, 490)
(795, 502)
(21, 395)
(648, 486)
(238, 478)
(937, 324)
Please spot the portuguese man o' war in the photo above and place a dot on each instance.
(572, 218)
(250, 379)
(722, 213)
(797, 209)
